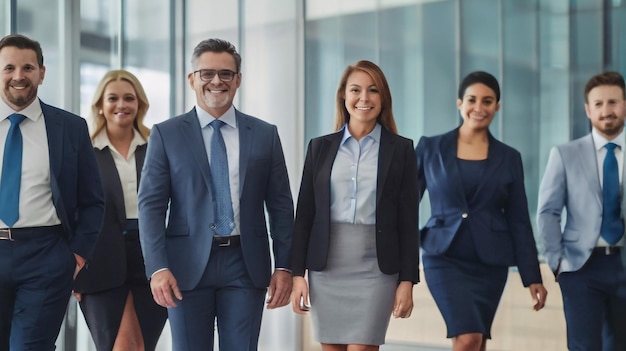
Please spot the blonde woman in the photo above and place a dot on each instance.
(113, 291)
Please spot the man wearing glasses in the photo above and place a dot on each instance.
(208, 176)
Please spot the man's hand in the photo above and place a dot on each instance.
(279, 290)
(80, 263)
(539, 295)
(164, 289)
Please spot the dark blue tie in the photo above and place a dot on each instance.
(612, 225)
(11, 172)
(224, 218)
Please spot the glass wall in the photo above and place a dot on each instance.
(133, 35)
(541, 51)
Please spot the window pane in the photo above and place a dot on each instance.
(146, 53)
(42, 27)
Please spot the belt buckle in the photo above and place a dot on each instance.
(9, 235)
(224, 244)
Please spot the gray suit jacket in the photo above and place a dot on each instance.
(571, 181)
(176, 207)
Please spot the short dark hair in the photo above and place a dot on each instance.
(480, 77)
(605, 78)
(23, 42)
(217, 46)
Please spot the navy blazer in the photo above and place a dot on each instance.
(176, 207)
(397, 238)
(497, 213)
(107, 268)
(74, 179)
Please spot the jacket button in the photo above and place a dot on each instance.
(464, 215)
(212, 226)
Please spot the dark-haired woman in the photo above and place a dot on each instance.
(356, 223)
(480, 223)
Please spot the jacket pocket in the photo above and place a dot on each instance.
(175, 231)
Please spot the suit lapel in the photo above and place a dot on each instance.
(324, 164)
(54, 131)
(385, 157)
(587, 156)
(495, 157)
(112, 178)
(140, 155)
(245, 143)
(448, 156)
(192, 133)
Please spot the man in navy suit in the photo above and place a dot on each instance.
(201, 267)
(50, 224)
(587, 254)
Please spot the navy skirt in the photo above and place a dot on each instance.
(466, 292)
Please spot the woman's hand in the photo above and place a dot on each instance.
(403, 303)
(300, 295)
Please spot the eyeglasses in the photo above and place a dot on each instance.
(207, 75)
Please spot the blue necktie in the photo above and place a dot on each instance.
(612, 225)
(224, 218)
(11, 172)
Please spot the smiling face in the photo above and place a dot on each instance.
(215, 96)
(362, 99)
(478, 106)
(21, 76)
(606, 109)
(120, 104)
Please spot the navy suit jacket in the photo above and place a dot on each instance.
(107, 268)
(497, 214)
(397, 236)
(176, 208)
(76, 188)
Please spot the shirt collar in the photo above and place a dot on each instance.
(599, 141)
(228, 117)
(374, 134)
(102, 140)
(32, 111)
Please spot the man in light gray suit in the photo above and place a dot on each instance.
(208, 177)
(585, 177)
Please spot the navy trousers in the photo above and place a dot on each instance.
(594, 302)
(224, 295)
(35, 286)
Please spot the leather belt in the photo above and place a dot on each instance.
(227, 240)
(29, 233)
(607, 250)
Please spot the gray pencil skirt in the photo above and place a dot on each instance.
(351, 300)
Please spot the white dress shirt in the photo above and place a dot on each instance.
(126, 168)
(36, 206)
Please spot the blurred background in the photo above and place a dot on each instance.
(294, 51)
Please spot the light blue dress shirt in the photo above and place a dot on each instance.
(230, 133)
(353, 179)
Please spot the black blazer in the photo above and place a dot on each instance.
(497, 213)
(397, 238)
(107, 268)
